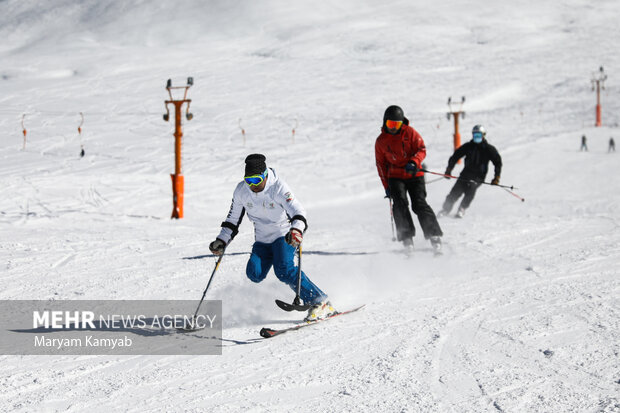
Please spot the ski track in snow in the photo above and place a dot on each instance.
(520, 314)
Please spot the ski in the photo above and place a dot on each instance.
(269, 332)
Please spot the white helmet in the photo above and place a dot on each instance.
(479, 129)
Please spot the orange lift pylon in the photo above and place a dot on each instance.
(455, 114)
(598, 81)
(177, 177)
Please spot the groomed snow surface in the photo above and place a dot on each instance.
(521, 313)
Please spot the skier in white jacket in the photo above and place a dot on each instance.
(279, 223)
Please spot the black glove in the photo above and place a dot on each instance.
(217, 247)
(448, 172)
(411, 168)
(388, 194)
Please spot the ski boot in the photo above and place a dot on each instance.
(436, 243)
(320, 311)
(442, 213)
(408, 244)
(460, 213)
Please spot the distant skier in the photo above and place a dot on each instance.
(584, 145)
(612, 145)
(477, 152)
(399, 152)
(269, 203)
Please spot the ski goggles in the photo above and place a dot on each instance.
(393, 124)
(255, 180)
(477, 136)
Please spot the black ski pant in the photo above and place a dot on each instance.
(462, 186)
(416, 189)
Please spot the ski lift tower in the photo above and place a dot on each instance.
(598, 79)
(177, 177)
(455, 114)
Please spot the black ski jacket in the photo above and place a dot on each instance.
(477, 157)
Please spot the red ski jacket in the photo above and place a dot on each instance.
(393, 152)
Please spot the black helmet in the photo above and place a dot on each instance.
(393, 113)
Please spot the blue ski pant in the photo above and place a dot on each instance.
(280, 255)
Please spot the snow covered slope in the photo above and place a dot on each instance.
(522, 312)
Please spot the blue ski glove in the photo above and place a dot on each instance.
(411, 168)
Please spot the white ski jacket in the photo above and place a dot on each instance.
(273, 211)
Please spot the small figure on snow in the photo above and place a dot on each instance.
(399, 152)
(269, 203)
(477, 152)
(612, 145)
(584, 145)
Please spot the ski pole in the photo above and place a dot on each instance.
(433, 181)
(392, 219)
(511, 187)
(297, 300)
(515, 195)
(217, 265)
(505, 187)
(296, 304)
